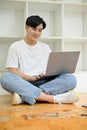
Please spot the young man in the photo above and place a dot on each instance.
(26, 64)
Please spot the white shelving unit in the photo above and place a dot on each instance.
(66, 25)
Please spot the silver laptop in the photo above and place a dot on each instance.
(62, 62)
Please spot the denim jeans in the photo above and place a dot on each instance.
(29, 92)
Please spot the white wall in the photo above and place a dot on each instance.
(81, 81)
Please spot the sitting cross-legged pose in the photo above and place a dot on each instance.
(26, 64)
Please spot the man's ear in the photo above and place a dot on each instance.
(26, 26)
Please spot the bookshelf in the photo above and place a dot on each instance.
(66, 25)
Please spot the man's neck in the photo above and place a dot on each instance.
(29, 42)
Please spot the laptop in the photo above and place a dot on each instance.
(58, 63)
(62, 62)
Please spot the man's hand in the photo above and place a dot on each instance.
(37, 77)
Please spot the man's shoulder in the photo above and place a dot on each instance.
(17, 43)
(43, 44)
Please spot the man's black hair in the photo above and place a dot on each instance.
(34, 21)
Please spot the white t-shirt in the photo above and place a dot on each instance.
(30, 60)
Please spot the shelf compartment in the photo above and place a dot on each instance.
(75, 21)
(12, 18)
(51, 13)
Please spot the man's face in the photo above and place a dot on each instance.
(33, 33)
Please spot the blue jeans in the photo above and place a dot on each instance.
(29, 92)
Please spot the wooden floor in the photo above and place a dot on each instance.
(43, 116)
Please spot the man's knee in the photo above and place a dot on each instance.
(5, 78)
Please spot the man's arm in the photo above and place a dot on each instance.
(24, 76)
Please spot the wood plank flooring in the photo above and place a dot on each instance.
(43, 116)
